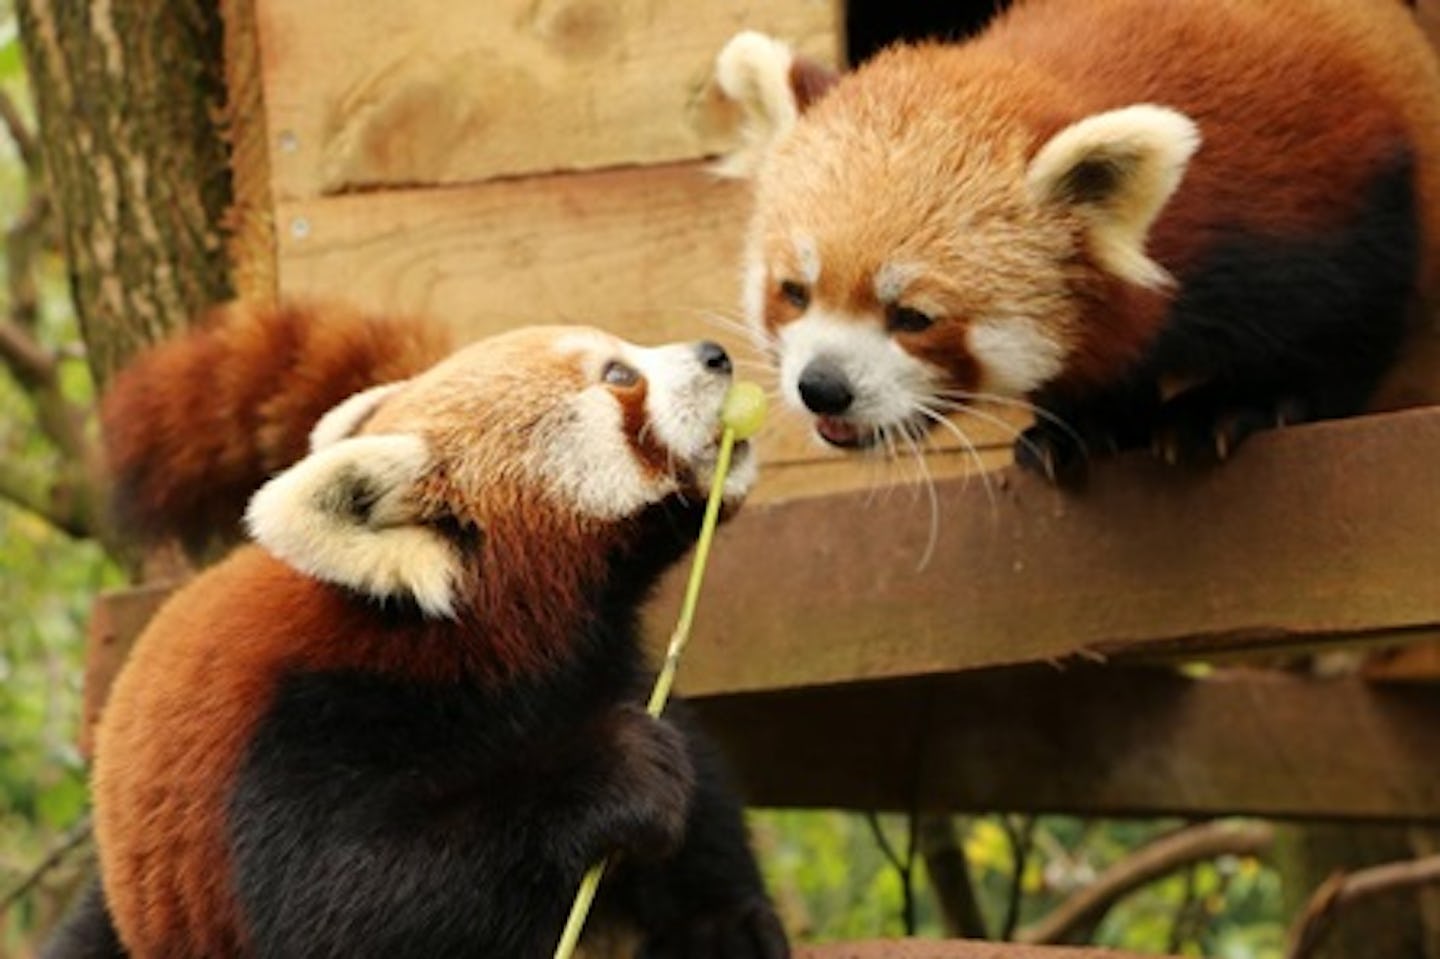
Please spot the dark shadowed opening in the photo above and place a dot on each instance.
(871, 25)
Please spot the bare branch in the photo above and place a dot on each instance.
(57, 500)
(1021, 845)
(32, 364)
(1341, 891)
(72, 840)
(949, 873)
(71, 498)
(24, 240)
(1158, 859)
(20, 133)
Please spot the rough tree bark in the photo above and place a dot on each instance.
(131, 98)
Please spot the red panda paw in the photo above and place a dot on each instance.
(1055, 453)
(655, 779)
(1206, 425)
(750, 930)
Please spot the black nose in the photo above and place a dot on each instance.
(825, 389)
(713, 357)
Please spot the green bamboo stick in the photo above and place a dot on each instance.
(660, 694)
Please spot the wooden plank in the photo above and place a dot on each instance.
(368, 93)
(643, 252)
(953, 949)
(116, 620)
(1311, 533)
(1095, 741)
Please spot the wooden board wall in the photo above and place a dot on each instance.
(650, 252)
(373, 93)
(1093, 741)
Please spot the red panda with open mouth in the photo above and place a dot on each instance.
(407, 718)
(1164, 223)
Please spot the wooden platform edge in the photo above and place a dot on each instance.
(1095, 741)
(1313, 534)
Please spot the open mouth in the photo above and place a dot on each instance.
(844, 433)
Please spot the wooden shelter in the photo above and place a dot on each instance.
(515, 161)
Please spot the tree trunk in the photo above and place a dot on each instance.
(130, 96)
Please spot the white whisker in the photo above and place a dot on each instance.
(1038, 411)
(929, 485)
(970, 448)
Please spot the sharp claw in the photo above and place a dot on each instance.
(1047, 460)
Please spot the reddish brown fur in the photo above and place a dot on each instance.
(1351, 79)
(531, 566)
(236, 608)
(194, 425)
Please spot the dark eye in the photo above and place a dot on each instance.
(619, 374)
(795, 294)
(905, 319)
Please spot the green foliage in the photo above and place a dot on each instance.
(831, 881)
(47, 582)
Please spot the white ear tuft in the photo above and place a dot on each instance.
(1117, 170)
(345, 514)
(754, 71)
(343, 420)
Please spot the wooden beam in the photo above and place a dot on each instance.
(1097, 741)
(952, 949)
(370, 93)
(1310, 534)
(117, 618)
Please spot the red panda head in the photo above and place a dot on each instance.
(511, 467)
(938, 226)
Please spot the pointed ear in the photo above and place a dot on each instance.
(772, 87)
(346, 514)
(1117, 170)
(345, 419)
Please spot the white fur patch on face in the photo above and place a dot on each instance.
(887, 382)
(892, 279)
(754, 71)
(589, 463)
(1015, 355)
(344, 515)
(344, 419)
(1117, 170)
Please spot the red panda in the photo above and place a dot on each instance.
(405, 720)
(1162, 222)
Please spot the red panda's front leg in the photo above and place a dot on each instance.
(1071, 430)
(707, 899)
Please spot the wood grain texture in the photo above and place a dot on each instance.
(1093, 741)
(645, 252)
(371, 93)
(1310, 534)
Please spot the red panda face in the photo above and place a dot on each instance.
(566, 431)
(923, 236)
(887, 304)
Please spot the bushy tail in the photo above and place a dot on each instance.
(195, 425)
